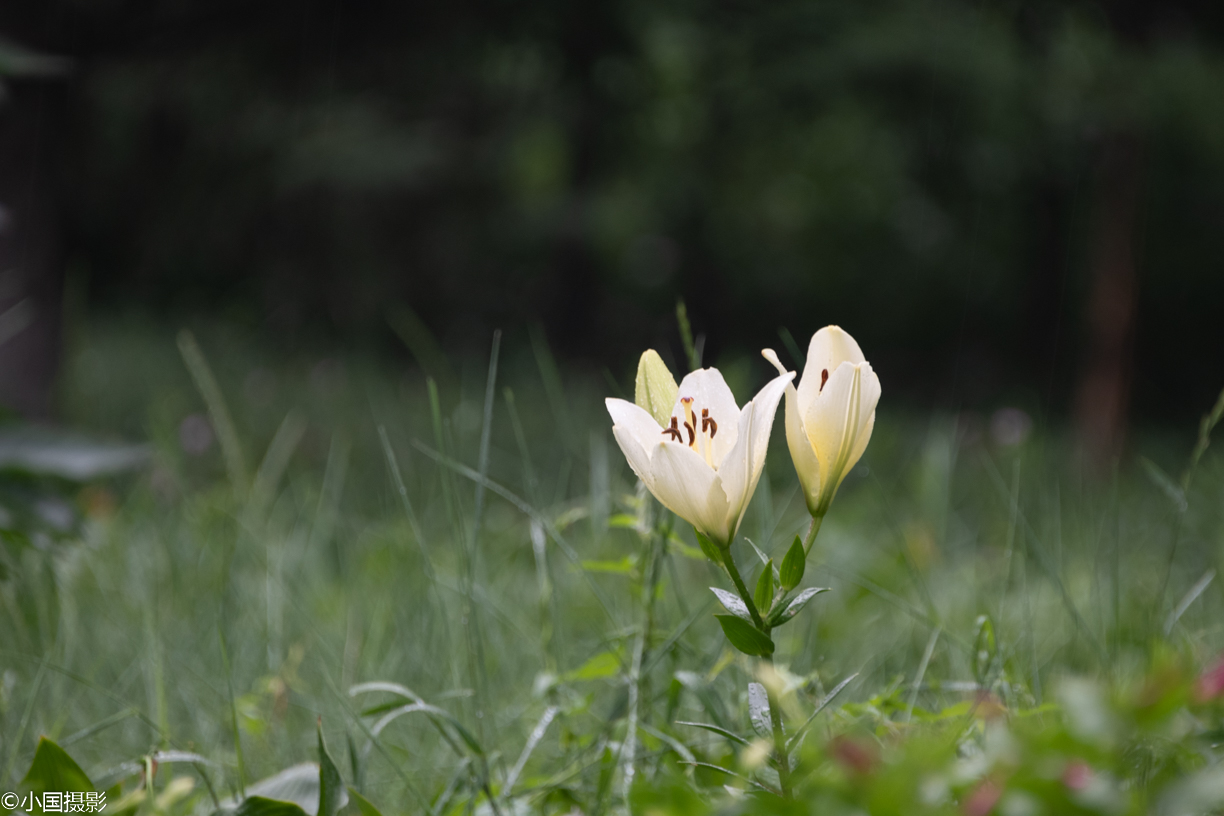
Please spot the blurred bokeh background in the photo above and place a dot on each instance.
(1008, 204)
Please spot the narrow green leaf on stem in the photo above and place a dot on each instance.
(765, 588)
(786, 613)
(759, 710)
(746, 637)
(732, 603)
(793, 565)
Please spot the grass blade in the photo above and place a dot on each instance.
(922, 667)
(533, 740)
(1190, 597)
(275, 461)
(214, 400)
(527, 510)
(229, 685)
(723, 732)
(830, 697)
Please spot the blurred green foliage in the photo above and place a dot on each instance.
(1000, 632)
(924, 172)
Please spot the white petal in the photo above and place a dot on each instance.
(634, 420)
(735, 472)
(860, 444)
(709, 390)
(635, 455)
(830, 347)
(637, 433)
(803, 455)
(741, 468)
(826, 420)
(870, 396)
(687, 486)
(765, 406)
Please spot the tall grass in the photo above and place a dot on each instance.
(478, 541)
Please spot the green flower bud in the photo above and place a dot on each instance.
(655, 390)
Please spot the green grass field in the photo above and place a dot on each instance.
(1004, 633)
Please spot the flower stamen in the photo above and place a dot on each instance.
(690, 423)
(824, 378)
(674, 431)
(708, 423)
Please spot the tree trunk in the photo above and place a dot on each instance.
(31, 266)
(1103, 394)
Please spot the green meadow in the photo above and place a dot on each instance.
(440, 583)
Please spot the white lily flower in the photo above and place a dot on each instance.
(705, 464)
(830, 416)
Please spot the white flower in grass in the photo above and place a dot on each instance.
(830, 416)
(704, 463)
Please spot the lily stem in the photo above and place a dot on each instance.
(775, 710)
(811, 534)
(782, 755)
(733, 571)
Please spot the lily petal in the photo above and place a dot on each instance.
(830, 347)
(802, 453)
(708, 390)
(636, 432)
(868, 400)
(686, 485)
(831, 418)
(764, 406)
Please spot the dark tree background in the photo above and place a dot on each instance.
(1005, 202)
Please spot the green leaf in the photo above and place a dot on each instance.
(708, 547)
(42, 452)
(784, 614)
(793, 566)
(622, 521)
(687, 550)
(765, 588)
(297, 785)
(605, 664)
(764, 558)
(732, 603)
(364, 806)
(625, 566)
(332, 795)
(259, 806)
(758, 710)
(731, 735)
(745, 637)
(53, 770)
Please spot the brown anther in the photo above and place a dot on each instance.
(824, 378)
(674, 431)
(691, 433)
(708, 423)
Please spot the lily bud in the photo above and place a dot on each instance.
(655, 390)
(829, 417)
